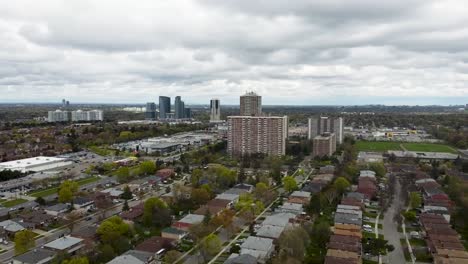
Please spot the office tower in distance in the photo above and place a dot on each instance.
(64, 103)
(324, 145)
(67, 104)
(188, 113)
(257, 134)
(323, 124)
(215, 110)
(164, 107)
(179, 111)
(58, 116)
(150, 112)
(250, 104)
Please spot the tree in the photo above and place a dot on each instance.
(410, 216)
(72, 217)
(241, 175)
(197, 174)
(289, 183)
(67, 190)
(341, 184)
(321, 232)
(147, 167)
(207, 217)
(76, 260)
(211, 245)
(24, 240)
(123, 174)
(200, 196)
(172, 256)
(315, 205)
(127, 193)
(260, 190)
(293, 243)
(125, 206)
(415, 199)
(40, 200)
(379, 168)
(225, 219)
(155, 212)
(376, 246)
(112, 229)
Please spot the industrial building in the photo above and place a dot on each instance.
(36, 164)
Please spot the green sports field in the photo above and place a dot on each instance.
(377, 146)
(427, 147)
(382, 146)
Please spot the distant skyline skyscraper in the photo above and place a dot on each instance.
(164, 106)
(215, 110)
(250, 104)
(150, 113)
(179, 108)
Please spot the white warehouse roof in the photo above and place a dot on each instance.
(34, 164)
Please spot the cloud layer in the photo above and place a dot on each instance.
(300, 52)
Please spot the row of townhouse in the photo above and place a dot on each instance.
(345, 242)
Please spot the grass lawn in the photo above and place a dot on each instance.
(54, 190)
(377, 146)
(417, 242)
(427, 147)
(14, 202)
(368, 261)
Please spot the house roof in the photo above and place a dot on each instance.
(257, 243)
(270, 231)
(241, 259)
(154, 244)
(346, 218)
(279, 219)
(192, 219)
(64, 243)
(82, 200)
(57, 208)
(172, 230)
(86, 232)
(227, 196)
(35, 256)
(11, 226)
(141, 255)
(301, 194)
(126, 259)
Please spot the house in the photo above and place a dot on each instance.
(437, 210)
(243, 186)
(270, 231)
(154, 244)
(300, 197)
(113, 193)
(348, 217)
(214, 206)
(133, 257)
(173, 233)
(241, 259)
(165, 174)
(367, 187)
(134, 212)
(35, 256)
(350, 257)
(293, 208)
(89, 235)
(234, 198)
(279, 219)
(11, 227)
(185, 223)
(328, 169)
(345, 243)
(56, 210)
(67, 245)
(37, 218)
(83, 203)
(102, 200)
(258, 247)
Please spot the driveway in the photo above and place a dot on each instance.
(390, 227)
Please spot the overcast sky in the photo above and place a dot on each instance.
(291, 52)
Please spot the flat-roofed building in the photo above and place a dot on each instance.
(36, 164)
(257, 134)
(324, 145)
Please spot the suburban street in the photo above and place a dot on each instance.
(390, 226)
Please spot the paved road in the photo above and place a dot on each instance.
(390, 227)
